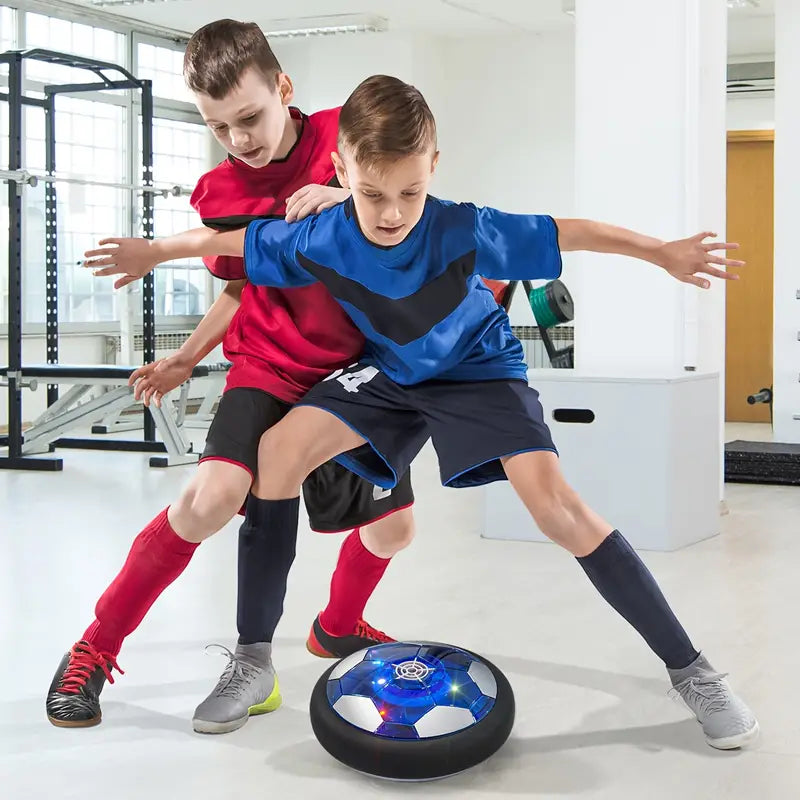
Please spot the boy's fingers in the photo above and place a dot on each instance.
(708, 247)
(298, 195)
(125, 281)
(718, 273)
(697, 281)
(100, 251)
(106, 271)
(725, 262)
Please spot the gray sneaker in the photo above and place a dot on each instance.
(248, 685)
(727, 722)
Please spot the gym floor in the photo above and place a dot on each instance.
(594, 719)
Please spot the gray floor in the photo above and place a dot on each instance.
(594, 717)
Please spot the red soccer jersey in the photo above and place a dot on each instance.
(283, 341)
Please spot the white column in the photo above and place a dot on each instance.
(786, 347)
(650, 155)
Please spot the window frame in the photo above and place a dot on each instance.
(135, 33)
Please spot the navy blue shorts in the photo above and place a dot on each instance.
(472, 424)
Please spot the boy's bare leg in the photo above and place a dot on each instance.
(629, 587)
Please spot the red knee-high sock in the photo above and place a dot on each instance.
(156, 558)
(355, 578)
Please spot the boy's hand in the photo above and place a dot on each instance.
(153, 381)
(312, 199)
(131, 258)
(686, 257)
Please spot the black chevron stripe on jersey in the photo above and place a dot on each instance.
(408, 318)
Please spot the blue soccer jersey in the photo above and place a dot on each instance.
(421, 305)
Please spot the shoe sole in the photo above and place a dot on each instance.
(735, 742)
(316, 649)
(272, 703)
(71, 723)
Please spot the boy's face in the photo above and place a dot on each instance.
(250, 121)
(389, 200)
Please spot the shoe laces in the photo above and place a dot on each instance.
(712, 694)
(236, 676)
(365, 631)
(84, 658)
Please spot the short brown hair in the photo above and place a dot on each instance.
(219, 53)
(385, 119)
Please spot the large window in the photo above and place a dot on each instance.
(52, 33)
(179, 158)
(8, 29)
(163, 66)
(98, 137)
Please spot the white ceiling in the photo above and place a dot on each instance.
(751, 30)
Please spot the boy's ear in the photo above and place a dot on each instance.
(341, 172)
(435, 162)
(285, 88)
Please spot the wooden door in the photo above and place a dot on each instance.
(749, 303)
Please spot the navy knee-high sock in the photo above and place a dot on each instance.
(629, 587)
(267, 540)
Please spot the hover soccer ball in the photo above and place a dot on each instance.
(412, 710)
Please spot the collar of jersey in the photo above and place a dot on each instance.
(294, 159)
(385, 255)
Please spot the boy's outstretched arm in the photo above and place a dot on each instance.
(682, 259)
(135, 258)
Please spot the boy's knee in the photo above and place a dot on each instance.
(204, 508)
(282, 464)
(557, 511)
(389, 536)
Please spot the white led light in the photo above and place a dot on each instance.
(291, 28)
(324, 26)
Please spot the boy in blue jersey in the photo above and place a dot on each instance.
(441, 360)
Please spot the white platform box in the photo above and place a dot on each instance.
(649, 462)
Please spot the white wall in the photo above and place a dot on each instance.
(786, 291)
(504, 107)
(751, 112)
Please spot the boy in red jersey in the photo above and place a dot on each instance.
(280, 344)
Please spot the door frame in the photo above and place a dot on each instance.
(751, 136)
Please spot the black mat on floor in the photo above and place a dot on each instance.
(762, 462)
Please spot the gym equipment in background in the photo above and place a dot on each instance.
(762, 462)
(17, 376)
(412, 711)
(72, 410)
(552, 305)
(761, 396)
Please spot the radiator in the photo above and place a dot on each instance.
(533, 346)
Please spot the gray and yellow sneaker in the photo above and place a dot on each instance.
(248, 685)
(727, 722)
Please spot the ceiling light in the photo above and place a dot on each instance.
(123, 2)
(568, 6)
(324, 26)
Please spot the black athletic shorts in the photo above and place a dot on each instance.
(335, 498)
(472, 424)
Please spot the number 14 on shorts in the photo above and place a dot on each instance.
(352, 380)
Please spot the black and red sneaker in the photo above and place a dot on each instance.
(73, 700)
(321, 643)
